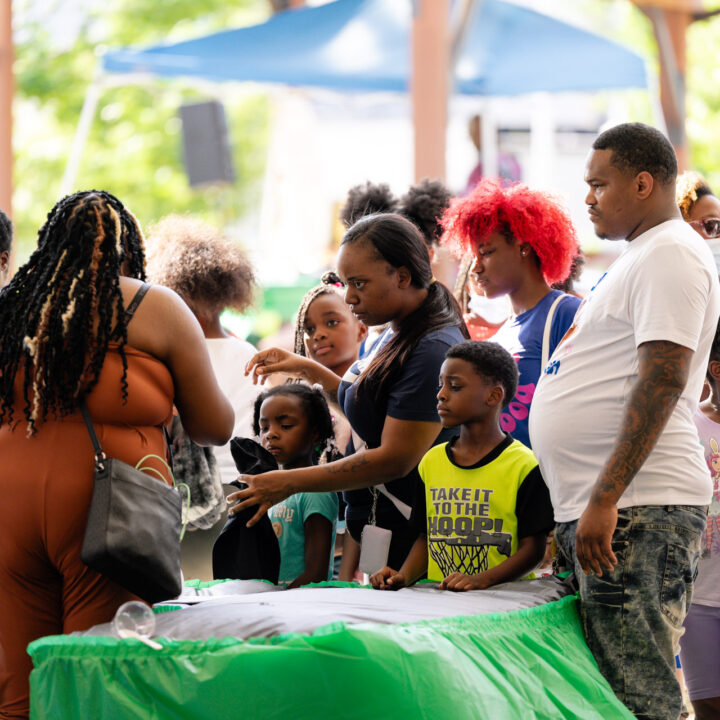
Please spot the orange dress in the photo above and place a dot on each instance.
(46, 483)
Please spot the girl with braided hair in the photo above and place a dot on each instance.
(78, 322)
(325, 329)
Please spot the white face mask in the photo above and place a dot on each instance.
(714, 245)
(492, 310)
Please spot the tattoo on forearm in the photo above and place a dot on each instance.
(663, 372)
(348, 465)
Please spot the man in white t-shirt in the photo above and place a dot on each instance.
(611, 421)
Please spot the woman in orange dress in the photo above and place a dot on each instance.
(69, 328)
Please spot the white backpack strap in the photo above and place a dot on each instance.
(546, 334)
(403, 508)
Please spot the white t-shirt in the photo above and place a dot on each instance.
(663, 287)
(228, 357)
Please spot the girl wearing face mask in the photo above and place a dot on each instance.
(700, 208)
(389, 396)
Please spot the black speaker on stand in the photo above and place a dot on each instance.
(206, 145)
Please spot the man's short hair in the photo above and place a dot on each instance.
(637, 147)
(491, 361)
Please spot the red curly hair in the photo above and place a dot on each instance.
(517, 212)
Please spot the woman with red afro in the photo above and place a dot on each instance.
(522, 241)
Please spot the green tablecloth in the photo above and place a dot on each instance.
(530, 663)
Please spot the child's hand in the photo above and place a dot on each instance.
(459, 582)
(387, 579)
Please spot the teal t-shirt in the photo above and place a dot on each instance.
(288, 520)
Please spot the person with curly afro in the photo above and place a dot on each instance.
(522, 241)
(367, 198)
(210, 273)
(423, 205)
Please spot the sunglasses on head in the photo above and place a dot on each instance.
(709, 227)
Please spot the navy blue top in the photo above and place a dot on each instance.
(412, 395)
(522, 337)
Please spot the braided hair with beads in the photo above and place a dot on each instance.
(329, 283)
(64, 306)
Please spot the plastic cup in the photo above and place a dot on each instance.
(134, 619)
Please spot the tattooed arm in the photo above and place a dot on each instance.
(663, 369)
(402, 446)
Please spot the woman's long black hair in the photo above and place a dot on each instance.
(399, 242)
(57, 314)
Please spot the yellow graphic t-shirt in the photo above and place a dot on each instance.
(475, 515)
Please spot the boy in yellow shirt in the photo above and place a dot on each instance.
(485, 511)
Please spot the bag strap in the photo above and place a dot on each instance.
(403, 508)
(99, 454)
(168, 443)
(131, 308)
(546, 333)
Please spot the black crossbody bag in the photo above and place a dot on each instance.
(134, 524)
(133, 527)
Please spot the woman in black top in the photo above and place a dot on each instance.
(388, 395)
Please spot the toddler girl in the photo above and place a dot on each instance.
(293, 423)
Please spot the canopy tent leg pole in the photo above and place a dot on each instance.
(92, 98)
(670, 28)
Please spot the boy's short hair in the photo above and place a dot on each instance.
(491, 361)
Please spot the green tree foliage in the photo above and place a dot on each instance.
(135, 145)
(703, 99)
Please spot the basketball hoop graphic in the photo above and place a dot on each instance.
(468, 554)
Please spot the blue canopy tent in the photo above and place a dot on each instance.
(363, 45)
